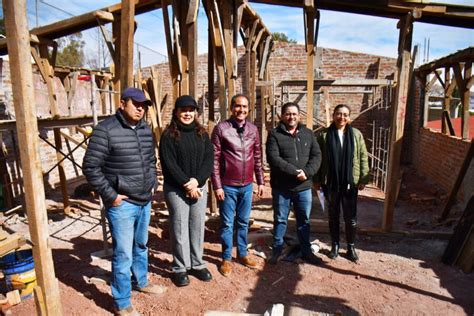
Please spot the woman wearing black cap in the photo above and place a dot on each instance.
(186, 156)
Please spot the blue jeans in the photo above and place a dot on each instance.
(237, 203)
(301, 201)
(129, 228)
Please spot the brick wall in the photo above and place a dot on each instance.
(434, 155)
(287, 62)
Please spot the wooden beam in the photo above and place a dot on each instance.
(172, 62)
(398, 119)
(465, 100)
(447, 99)
(265, 57)
(210, 81)
(127, 27)
(18, 41)
(192, 53)
(457, 184)
(309, 16)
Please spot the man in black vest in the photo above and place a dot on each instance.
(120, 164)
(294, 157)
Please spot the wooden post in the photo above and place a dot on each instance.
(210, 75)
(465, 92)
(458, 182)
(192, 25)
(127, 27)
(18, 41)
(169, 46)
(212, 201)
(426, 105)
(116, 29)
(309, 15)
(398, 118)
(447, 99)
(248, 53)
(48, 74)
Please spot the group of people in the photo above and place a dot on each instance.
(120, 164)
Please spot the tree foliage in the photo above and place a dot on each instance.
(71, 51)
(282, 37)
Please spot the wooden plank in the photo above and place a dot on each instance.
(104, 16)
(23, 96)
(107, 39)
(116, 34)
(447, 120)
(309, 30)
(192, 41)
(447, 99)
(266, 56)
(210, 82)
(192, 11)
(226, 11)
(465, 100)
(398, 119)
(127, 27)
(73, 140)
(427, 89)
(460, 235)
(457, 184)
(61, 170)
(11, 242)
(172, 62)
(46, 73)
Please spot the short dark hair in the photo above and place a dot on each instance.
(235, 97)
(342, 106)
(287, 105)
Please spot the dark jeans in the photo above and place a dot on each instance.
(347, 200)
(282, 201)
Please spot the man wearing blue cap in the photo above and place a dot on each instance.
(120, 165)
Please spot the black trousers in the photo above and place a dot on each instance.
(347, 200)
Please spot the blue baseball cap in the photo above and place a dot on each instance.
(135, 94)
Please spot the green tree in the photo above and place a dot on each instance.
(71, 51)
(282, 37)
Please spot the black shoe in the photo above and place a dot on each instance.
(201, 274)
(312, 259)
(334, 251)
(351, 253)
(181, 279)
(275, 256)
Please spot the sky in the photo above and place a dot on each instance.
(351, 32)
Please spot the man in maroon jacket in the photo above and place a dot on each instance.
(237, 156)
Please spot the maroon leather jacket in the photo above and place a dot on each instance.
(236, 155)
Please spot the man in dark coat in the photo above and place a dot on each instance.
(294, 157)
(120, 164)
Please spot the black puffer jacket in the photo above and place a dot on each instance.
(121, 160)
(287, 153)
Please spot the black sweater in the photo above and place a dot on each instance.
(189, 156)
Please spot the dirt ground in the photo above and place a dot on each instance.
(396, 274)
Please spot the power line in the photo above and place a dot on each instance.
(70, 14)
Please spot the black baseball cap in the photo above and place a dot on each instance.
(184, 101)
(135, 94)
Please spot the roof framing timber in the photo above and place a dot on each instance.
(461, 56)
(435, 13)
(85, 21)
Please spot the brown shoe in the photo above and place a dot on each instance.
(129, 311)
(152, 289)
(248, 262)
(225, 268)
